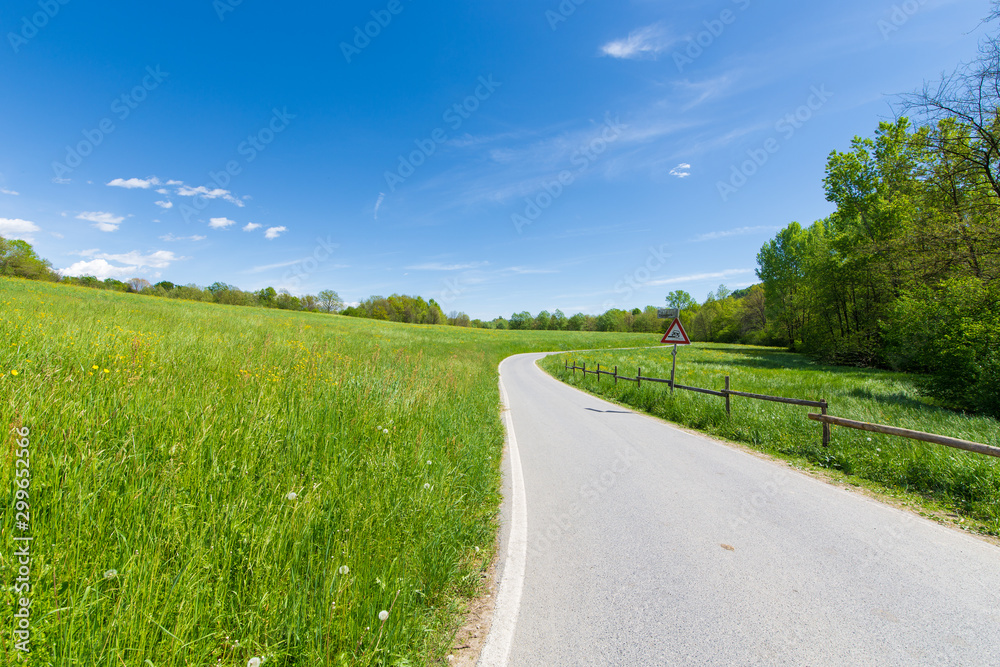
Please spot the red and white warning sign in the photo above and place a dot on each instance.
(675, 334)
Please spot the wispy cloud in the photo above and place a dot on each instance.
(698, 277)
(15, 228)
(681, 171)
(9, 192)
(438, 266)
(378, 203)
(209, 193)
(271, 267)
(274, 232)
(171, 237)
(645, 42)
(106, 222)
(739, 231)
(250, 226)
(165, 204)
(524, 271)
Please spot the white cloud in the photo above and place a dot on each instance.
(127, 265)
(221, 223)
(739, 231)
(9, 192)
(698, 277)
(378, 204)
(250, 226)
(57, 235)
(106, 222)
(274, 232)
(134, 183)
(681, 170)
(171, 237)
(165, 204)
(15, 228)
(100, 269)
(642, 43)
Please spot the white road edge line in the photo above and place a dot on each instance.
(508, 604)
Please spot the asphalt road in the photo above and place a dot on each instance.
(631, 542)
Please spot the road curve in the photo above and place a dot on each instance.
(649, 545)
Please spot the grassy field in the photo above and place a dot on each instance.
(210, 484)
(954, 480)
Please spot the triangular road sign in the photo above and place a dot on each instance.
(676, 335)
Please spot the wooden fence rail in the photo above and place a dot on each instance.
(907, 433)
(726, 393)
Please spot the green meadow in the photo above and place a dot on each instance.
(211, 484)
(952, 480)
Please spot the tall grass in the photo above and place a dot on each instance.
(965, 482)
(212, 484)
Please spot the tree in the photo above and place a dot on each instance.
(780, 264)
(522, 320)
(137, 285)
(266, 297)
(330, 301)
(680, 299)
(18, 258)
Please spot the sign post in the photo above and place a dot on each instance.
(676, 335)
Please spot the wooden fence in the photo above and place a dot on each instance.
(825, 419)
(725, 393)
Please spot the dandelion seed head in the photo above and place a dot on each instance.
(344, 569)
(253, 662)
(111, 574)
(385, 431)
(383, 616)
(427, 486)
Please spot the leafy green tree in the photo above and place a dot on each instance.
(680, 299)
(330, 301)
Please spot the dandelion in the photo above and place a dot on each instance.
(95, 367)
(344, 569)
(13, 372)
(292, 495)
(430, 463)
(427, 486)
(253, 662)
(383, 616)
(111, 574)
(385, 431)
(378, 428)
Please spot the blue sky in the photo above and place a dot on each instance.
(494, 156)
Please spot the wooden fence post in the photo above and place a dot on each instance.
(598, 374)
(616, 376)
(585, 371)
(729, 412)
(638, 378)
(826, 427)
